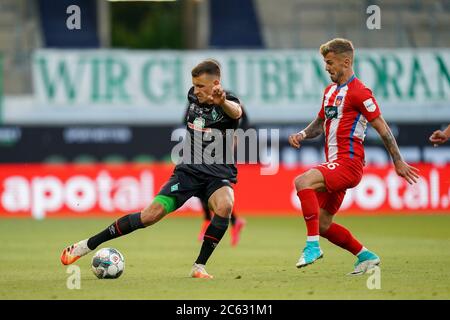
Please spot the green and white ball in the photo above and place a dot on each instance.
(108, 263)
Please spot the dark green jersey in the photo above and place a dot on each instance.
(209, 139)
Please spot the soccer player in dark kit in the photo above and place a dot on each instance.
(237, 223)
(211, 111)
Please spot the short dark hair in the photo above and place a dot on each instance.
(337, 46)
(209, 66)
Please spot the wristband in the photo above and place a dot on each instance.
(303, 134)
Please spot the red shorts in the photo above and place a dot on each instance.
(339, 176)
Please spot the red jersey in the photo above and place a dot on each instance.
(346, 110)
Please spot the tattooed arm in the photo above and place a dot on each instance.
(404, 170)
(314, 129)
(388, 138)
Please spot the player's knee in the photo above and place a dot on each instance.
(224, 208)
(325, 221)
(301, 182)
(152, 214)
(323, 226)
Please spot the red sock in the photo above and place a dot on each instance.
(310, 208)
(343, 238)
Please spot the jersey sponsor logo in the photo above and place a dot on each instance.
(199, 123)
(370, 105)
(174, 187)
(331, 112)
(338, 101)
(193, 127)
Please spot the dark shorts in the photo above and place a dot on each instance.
(183, 185)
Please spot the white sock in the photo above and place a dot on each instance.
(312, 238)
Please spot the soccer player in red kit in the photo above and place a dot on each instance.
(347, 106)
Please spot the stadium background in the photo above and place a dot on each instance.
(87, 115)
(113, 91)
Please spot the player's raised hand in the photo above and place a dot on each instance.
(438, 137)
(404, 170)
(218, 95)
(295, 139)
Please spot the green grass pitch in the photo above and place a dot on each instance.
(415, 253)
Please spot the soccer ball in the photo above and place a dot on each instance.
(108, 263)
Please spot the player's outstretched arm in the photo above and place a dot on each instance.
(314, 129)
(439, 137)
(403, 169)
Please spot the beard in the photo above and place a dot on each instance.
(336, 76)
(201, 99)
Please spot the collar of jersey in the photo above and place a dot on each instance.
(348, 81)
(206, 107)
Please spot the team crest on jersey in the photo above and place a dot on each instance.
(338, 101)
(214, 114)
(331, 112)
